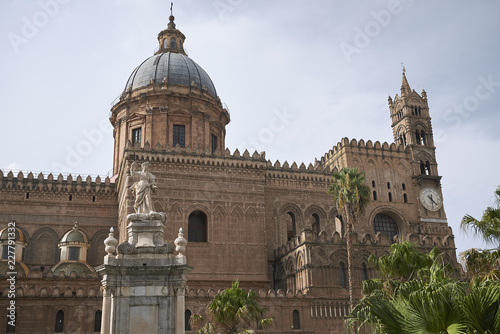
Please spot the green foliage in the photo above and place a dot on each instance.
(431, 303)
(350, 192)
(350, 196)
(404, 262)
(232, 311)
(482, 264)
(489, 226)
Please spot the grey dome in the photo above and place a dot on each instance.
(175, 68)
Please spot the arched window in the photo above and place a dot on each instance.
(390, 197)
(296, 319)
(172, 43)
(385, 224)
(197, 227)
(339, 225)
(97, 321)
(428, 167)
(417, 136)
(422, 136)
(404, 186)
(187, 317)
(405, 198)
(59, 328)
(315, 226)
(364, 272)
(374, 195)
(388, 185)
(422, 167)
(291, 229)
(11, 324)
(373, 183)
(342, 275)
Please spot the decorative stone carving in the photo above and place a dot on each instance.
(180, 244)
(110, 243)
(143, 187)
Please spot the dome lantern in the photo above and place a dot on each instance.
(171, 39)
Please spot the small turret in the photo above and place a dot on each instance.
(171, 39)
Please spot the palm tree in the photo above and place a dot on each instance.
(350, 196)
(484, 264)
(489, 226)
(232, 311)
(434, 303)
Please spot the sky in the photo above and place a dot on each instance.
(296, 77)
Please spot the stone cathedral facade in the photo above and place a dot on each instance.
(270, 225)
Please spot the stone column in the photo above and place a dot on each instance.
(145, 282)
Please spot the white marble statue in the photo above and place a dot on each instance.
(143, 187)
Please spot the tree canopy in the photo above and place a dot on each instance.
(350, 196)
(232, 311)
(488, 227)
(425, 299)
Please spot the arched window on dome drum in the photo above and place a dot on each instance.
(213, 142)
(315, 225)
(187, 317)
(385, 224)
(136, 136)
(197, 227)
(97, 321)
(59, 328)
(179, 135)
(173, 45)
(342, 275)
(296, 319)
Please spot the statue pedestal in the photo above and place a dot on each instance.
(144, 285)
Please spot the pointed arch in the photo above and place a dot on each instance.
(197, 226)
(43, 250)
(237, 212)
(96, 252)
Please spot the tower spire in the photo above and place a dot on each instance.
(405, 86)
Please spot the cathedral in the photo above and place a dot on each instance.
(270, 225)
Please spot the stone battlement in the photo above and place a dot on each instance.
(369, 148)
(59, 184)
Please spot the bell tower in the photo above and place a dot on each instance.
(412, 128)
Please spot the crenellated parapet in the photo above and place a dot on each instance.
(59, 183)
(276, 173)
(361, 148)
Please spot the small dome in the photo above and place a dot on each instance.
(170, 68)
(4, 235)
(75, 235)
(20, 268)
(68, 267)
